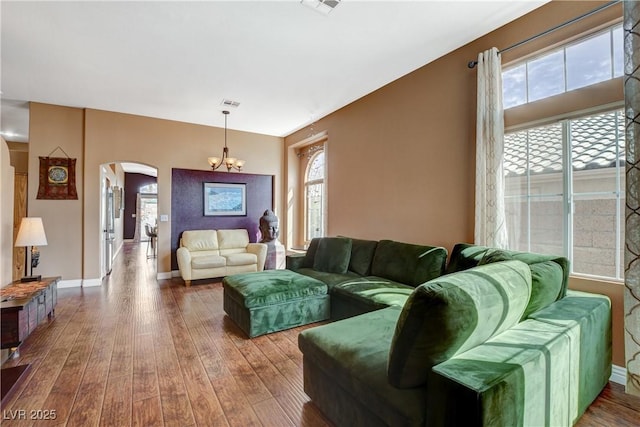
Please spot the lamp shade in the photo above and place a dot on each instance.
(31, 232)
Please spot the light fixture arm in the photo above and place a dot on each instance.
(229, 162)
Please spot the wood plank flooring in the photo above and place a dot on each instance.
(142, 352)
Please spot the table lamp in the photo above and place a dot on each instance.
(31, 233)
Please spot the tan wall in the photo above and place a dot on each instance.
(6, 214)
(51, 127)
(113, 137)
(401, 160)
(99, 137)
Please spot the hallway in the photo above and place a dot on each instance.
(145, 353)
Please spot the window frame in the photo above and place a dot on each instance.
(308, 183)
(609, 28)
(568, 196)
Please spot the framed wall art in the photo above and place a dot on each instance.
(57, 179)
(225, 199)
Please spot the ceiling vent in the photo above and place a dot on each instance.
(230, 103)
(322, 6)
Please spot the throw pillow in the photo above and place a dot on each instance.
(310, 256)
(362, 255)
(408, 263)
(333, 255)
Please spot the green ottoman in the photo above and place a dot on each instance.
(274, 300)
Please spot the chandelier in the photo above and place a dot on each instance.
(229, 162)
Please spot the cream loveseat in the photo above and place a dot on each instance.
(205, 254)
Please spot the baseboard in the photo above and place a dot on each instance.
(175, 273)
(165, 275)
(88, 283)
(618, 375)
(69, 283)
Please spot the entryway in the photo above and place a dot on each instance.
(129, 211)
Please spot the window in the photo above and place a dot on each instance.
(149, 189)
(314, 197)
(590, 60)
(564, 191)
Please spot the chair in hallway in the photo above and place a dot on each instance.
(152, 234)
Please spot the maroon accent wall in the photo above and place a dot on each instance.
(133, 182)
(187, 203)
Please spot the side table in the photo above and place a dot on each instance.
(23, 306)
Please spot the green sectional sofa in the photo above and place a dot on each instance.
(496, 341)
(337, 278)
(366, 275)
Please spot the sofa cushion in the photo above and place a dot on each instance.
(454, 313)
(208, 260)
(271, 287)
(243, 258)
(407, 263)
(333, 255)
(233, 239)
(376, 291)
(362, 252)
(546, 278)
(353, 353)
(310, 255)
(330, 279)
(200, 240)
(465, 255)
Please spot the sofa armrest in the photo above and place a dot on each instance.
(260, 250)
(294, 261)
(448, 395)
(184, 262)
(528, 375)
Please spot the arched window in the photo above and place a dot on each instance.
(314, 197)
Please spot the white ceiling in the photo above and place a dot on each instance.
(287, 64)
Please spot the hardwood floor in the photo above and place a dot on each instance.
(141, 352)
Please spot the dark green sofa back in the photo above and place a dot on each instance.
(454, 313)
(550, 273)
(400, 262)
(407, 263)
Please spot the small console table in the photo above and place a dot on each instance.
(23, 307)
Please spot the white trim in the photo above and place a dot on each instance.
(164, 275)
(175, 273)
(69, 284)
(618, 375)
(89, 283)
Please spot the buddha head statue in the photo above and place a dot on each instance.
(269, 226)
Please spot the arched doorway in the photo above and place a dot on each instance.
(122, 187)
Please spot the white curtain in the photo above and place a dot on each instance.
(490, 225)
